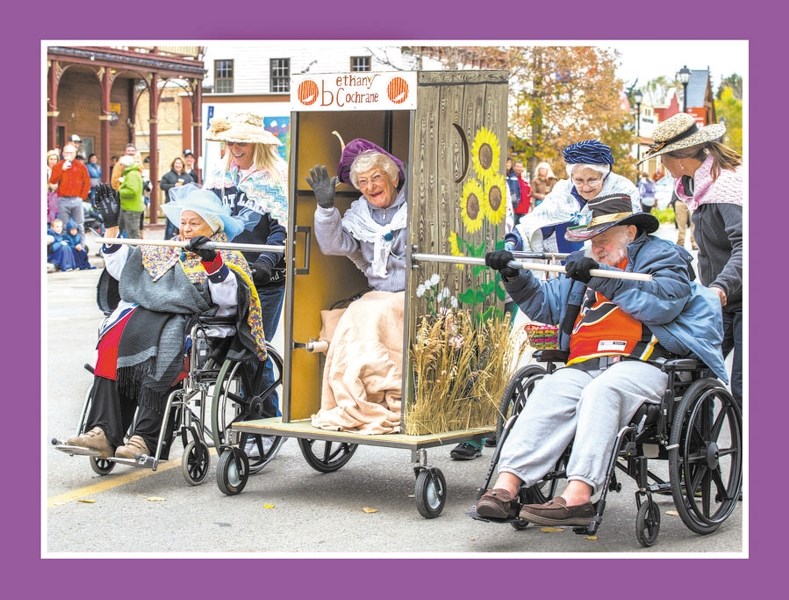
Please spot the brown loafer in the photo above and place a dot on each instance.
(498, 504)
(556, 512)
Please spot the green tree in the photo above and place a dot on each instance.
(729, 110)
(734, 83)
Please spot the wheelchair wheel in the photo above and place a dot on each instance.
(263, 449)
(325, 456)
(232, 404)
(195, 462)
(514, 397)
(232, 471)
(101, 466)
(430, 492)
(705, 456)
(647, 523)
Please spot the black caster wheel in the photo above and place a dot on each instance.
(101, 466)
(431, 492)
(232, 471)
(195, 462)
(647, 523)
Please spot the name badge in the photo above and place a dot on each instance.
(611, 346)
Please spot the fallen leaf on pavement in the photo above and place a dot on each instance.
(156, 499)
(591, 537)
(87, 500)
(551, 529)
(368, 509)
(673, 513)
(269, 506)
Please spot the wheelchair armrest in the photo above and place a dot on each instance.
(552, 356)
(682, 364)
(214, 320)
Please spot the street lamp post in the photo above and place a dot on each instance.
(684, 77)
(638, 97)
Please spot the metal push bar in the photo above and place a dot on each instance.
(183, 244)
(517, 264)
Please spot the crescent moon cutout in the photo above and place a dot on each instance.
(464, 145)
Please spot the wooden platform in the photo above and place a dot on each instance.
(304, 429)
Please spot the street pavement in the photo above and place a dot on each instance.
(367, 508)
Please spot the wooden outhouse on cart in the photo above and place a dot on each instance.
(450, 130)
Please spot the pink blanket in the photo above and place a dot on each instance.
(362, 379)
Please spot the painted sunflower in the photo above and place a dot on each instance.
(471, 202)
(454, 245)
(496, 194)
(485, 153)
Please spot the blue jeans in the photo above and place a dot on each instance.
(732, 340)
(271, 299)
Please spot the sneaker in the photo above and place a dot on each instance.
(133, 448)
(491, 442)
(556, 512)
(93, 439)
(497, 504)
(251, 448)
(465, 451)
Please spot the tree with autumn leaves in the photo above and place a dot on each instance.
(559, 95)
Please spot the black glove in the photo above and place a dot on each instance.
(322, 186)
(197, 245)
(579, 269)
(261, 272)
(498, 260)
(107, 204)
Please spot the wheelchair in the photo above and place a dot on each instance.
(696, 430)
(215, 382)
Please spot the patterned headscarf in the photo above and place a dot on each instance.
(588, 152)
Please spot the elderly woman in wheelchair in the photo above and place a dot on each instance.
(615, 333)
(161, 292)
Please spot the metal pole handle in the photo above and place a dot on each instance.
(183, 244)
(516, 264)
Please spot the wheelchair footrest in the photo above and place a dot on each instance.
(78, 450)
(472, 512)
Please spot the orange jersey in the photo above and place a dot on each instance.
(604, 329)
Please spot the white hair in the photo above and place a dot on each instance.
(370, 159)
(602, 169)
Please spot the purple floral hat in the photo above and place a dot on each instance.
(353, 149)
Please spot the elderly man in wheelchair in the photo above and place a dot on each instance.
(616, 334)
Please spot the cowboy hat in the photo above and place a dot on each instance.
(206, 204)
(240, 127)
(681, 131)
(610, 211)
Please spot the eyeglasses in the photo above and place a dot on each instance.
(377, 180)
(228, 144)
(592, 183)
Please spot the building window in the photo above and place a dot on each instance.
(223, 76)
(360, 63)
(280, 74)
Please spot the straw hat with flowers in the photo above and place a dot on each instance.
(242, 127)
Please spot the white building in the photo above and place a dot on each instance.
(255, 76)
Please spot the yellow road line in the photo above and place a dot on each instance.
(111, 482)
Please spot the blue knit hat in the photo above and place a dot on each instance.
(588, 152)
(206, 204)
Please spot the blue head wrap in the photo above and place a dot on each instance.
(588, 152)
